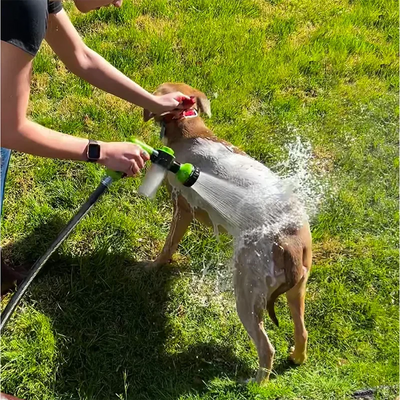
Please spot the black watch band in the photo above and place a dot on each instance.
(93, 151)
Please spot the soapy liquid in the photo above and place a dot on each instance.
(152, 181)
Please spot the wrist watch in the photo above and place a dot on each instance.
(93, 151)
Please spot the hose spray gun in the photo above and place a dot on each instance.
(163, 160)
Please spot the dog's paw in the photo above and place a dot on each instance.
(244, 381)
(297, 357)
(247, 381)
(262, 376)
(158, 263)
(153, 265)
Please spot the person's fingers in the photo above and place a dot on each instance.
(139, 161)
(129, 173)
(134, 168)
(145, 155)
(180, 98)
(185, 102)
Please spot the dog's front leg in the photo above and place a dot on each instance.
(182, 217)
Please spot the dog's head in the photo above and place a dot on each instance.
(202, 104)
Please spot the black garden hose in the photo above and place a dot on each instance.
(11, 306)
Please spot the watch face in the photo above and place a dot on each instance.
(94, 151)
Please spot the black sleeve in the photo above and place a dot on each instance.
(55, 6)
(24, 22)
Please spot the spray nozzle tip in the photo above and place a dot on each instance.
(187, 174)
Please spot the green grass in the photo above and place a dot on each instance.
(97, 326)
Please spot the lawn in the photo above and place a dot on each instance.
(95, 324)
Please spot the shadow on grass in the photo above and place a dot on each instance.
(113, 325)
(280, 367)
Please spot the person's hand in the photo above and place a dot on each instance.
(171, 103)
(123, 157)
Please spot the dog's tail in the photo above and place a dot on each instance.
(292, 257)
(271, 301)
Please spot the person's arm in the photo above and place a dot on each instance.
(90, 66)
(18, 133)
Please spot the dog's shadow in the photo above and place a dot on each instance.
(112, 322)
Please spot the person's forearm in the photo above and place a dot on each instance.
(97, 71)
(35, 139)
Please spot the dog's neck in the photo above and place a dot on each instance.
(185, 128)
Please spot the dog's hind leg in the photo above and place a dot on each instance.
(182, 217)
(295, 298)
(250, 304)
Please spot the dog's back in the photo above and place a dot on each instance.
(225, 161)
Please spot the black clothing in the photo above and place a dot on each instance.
(24, 22)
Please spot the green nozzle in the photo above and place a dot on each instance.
(143, 145)
(167, 150)
(115, 175)
(184, 172)
(187, 174)
(164, 156)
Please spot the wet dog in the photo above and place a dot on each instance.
(267, 263)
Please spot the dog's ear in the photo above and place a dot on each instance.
(147, 115)
(203, 104)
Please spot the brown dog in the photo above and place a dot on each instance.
(266, 265)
